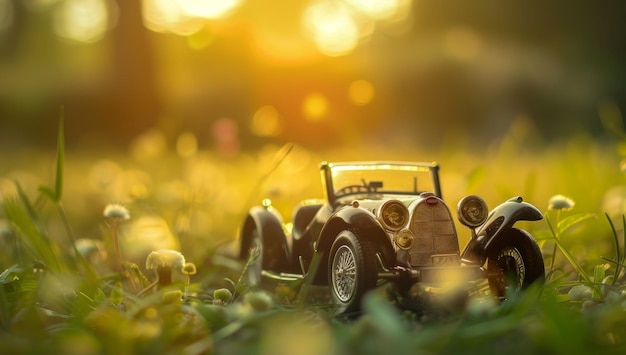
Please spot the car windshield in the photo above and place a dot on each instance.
(387, 178)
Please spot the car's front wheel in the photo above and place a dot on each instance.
(514, 262)
(351, 271)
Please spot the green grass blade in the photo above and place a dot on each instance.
(567, 223)
(598, 276)
(621, 261)
(26, 201)
(567, 254)
(38, 243)
(617, 251)
(308, 279)
(58, 184)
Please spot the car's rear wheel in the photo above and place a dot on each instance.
(351, 271)
(514, 262)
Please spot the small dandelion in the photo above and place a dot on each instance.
(560, 203)
(188, 270)
(116, 211)
(164, 261)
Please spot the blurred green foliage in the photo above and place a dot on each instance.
(195, 202)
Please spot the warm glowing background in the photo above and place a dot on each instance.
(177, 108)
(242, 73)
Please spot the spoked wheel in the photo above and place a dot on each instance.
(514, 262)
(351, 271)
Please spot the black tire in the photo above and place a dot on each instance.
(352, 271)
(514, 262)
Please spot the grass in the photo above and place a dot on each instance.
(75, 281)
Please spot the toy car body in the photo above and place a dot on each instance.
(388, 221)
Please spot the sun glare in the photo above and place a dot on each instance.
(82, 20)
(332, 27)
(184, 17)
(210, 9)
(376, 9)
(167, 16)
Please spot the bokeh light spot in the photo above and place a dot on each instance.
(315, 107)
(462, 43)
(266, 122)
(361, 92)
(82, 20)
(376, 9)
(186, 144)
(332, 27)
(226, 135)
(149, 145)
(209, 9)
(103, 174)
(167, 16)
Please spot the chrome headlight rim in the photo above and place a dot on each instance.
(472, 211)
(404, 239)
(400, 216)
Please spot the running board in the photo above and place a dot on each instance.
(282, 276)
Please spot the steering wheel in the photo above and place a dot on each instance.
(352, 189)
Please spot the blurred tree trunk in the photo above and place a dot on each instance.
(10, 36)
(133, 105)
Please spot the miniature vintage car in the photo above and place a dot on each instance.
(387, 221)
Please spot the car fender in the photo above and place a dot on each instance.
(276, 246)
(500, 219)
(364, 224)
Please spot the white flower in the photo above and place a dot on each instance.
(165, 258)
(560, 202)
(116, 211)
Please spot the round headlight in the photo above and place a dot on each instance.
(404, 239)
(472, 211)
(393, 214)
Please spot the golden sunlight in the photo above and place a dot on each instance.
(376, 9)
(266, 122)
(332, 27)
(167, 16)
(315, 107)
(210, 9)
(186, 144)
(361, 92)
(82, 20)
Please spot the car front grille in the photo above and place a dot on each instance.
(434, 232)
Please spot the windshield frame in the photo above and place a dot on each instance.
(330, 170)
